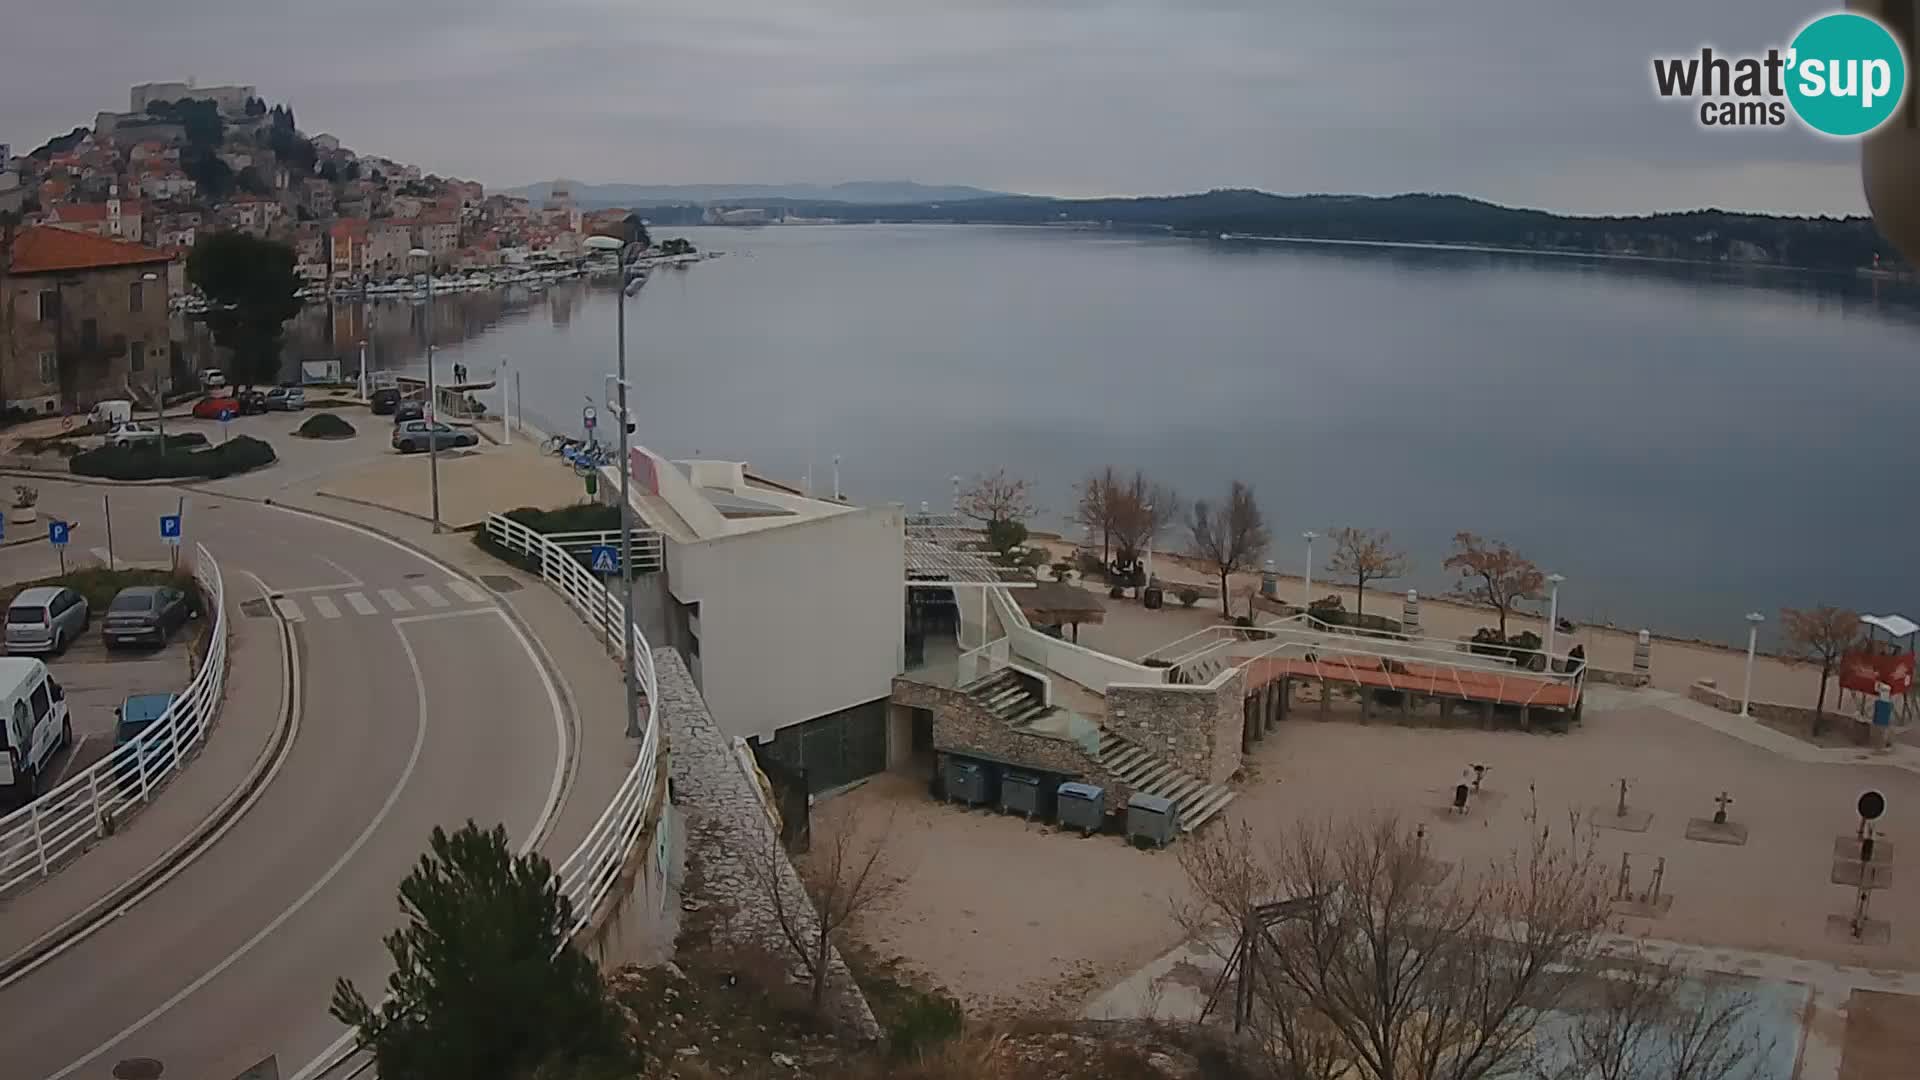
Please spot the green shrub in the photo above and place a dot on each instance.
(1004, 536)
(146, 461)
(325, 425)
(580, 517)
(922, 1023)
(185, 440)
(1189, 596)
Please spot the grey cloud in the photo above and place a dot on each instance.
(1542, 104)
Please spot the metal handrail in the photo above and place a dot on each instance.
(649, 549)
(97, 800)
(588, 875)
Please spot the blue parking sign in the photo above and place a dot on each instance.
(604, 559)
(57, 533)
(170, 528)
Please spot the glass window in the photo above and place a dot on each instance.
(49, 368)
(42, 701)
(133, 602)
(134, 299)
(26, 615)
(20, 725)
(49, 305)
(136, 356)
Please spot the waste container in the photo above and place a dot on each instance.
(1082, 806)
(1152, 818)
(969, 782)
(1020, 794)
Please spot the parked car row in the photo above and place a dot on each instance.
(48, 618)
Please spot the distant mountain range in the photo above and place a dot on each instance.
(863, 192)
(1819, 243)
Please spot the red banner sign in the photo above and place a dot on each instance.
(1863, 669)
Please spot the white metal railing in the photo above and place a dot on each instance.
(648, 548)
(98, 799)
(589, 874)
(1381, 656)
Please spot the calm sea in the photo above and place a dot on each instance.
(1684, 444)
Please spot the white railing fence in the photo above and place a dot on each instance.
(95, 801)
(649, 551)
(589, 874)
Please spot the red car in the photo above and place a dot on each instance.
(217, 408)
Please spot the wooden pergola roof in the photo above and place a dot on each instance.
(1056, 603)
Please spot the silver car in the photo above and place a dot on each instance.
(45, 619)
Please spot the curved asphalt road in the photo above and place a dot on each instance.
(408, 719)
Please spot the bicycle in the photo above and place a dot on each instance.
(561, 445)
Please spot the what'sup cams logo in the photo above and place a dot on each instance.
(1844, 75)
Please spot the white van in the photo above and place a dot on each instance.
(33, 723)
(109, 414)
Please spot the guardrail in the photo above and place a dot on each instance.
(97, 800)
(588, 875)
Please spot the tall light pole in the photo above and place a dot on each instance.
(1148, 510)
(1306, 589)
(618, 246)
(433, 404)
(1754, 619)
(159, 391)
(1553, 615)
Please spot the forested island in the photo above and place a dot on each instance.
(1839, 244)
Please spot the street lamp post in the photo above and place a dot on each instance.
(613, 244)
(1754, 619)
(433, 404)
(1553, 615)
(1148, 510)
(1306, 588)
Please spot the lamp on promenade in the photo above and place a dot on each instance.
(1754, 619)
(433, 404)
(1553, 615)
(1148, 510)
(618, 247)
(1306, 590)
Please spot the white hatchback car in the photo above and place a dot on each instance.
(132, 432)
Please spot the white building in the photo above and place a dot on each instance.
(788, 608)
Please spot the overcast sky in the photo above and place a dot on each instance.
(1543, 103)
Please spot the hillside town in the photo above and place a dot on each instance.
(184, 161)
(96, 226)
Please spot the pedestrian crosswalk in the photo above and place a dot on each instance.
(390, 601)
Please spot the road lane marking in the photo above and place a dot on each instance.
(289, 610)
(395, 600)
(440, 615)
(360, 604)
(344, 572)
(426, 593)
(466, 592)
(324, 606)
(393, 797)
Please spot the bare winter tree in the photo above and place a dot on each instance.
(1363, 555)
(1231, 535)
(1822, 636)
(845, 873)
(995, 497)
(1648, 1019)
(1093, 508)
(1492, 575)
(1142, 510)
(1393, 973)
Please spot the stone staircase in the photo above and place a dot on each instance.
(1007, 696)
(1200, 672)
(1004, 695)
(1142, 771)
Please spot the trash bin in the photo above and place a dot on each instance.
(1153, 818)
(1082, 806)
(1153, 597)
(969, 782)
(1020, 794)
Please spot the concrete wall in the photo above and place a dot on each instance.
(1792, 716)
(1197, 728)
(799, 620)
(1634, 679)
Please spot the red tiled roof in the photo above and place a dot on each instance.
(93, 211)
(45, 249)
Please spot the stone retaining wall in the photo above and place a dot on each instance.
(1197, 728)
(963, 726)
(1796, 717)
(1633, 679)
(728, 825)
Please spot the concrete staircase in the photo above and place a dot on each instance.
(1200, 672)
(1142, 771)
(1004, 695)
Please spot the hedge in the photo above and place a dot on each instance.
(325, 425)
(145, 461)
(580, 517)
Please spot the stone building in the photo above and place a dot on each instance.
(83, 318)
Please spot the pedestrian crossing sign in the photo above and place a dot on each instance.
(604, 559)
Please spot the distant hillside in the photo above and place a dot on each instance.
(866, 192)
(1824, 243)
